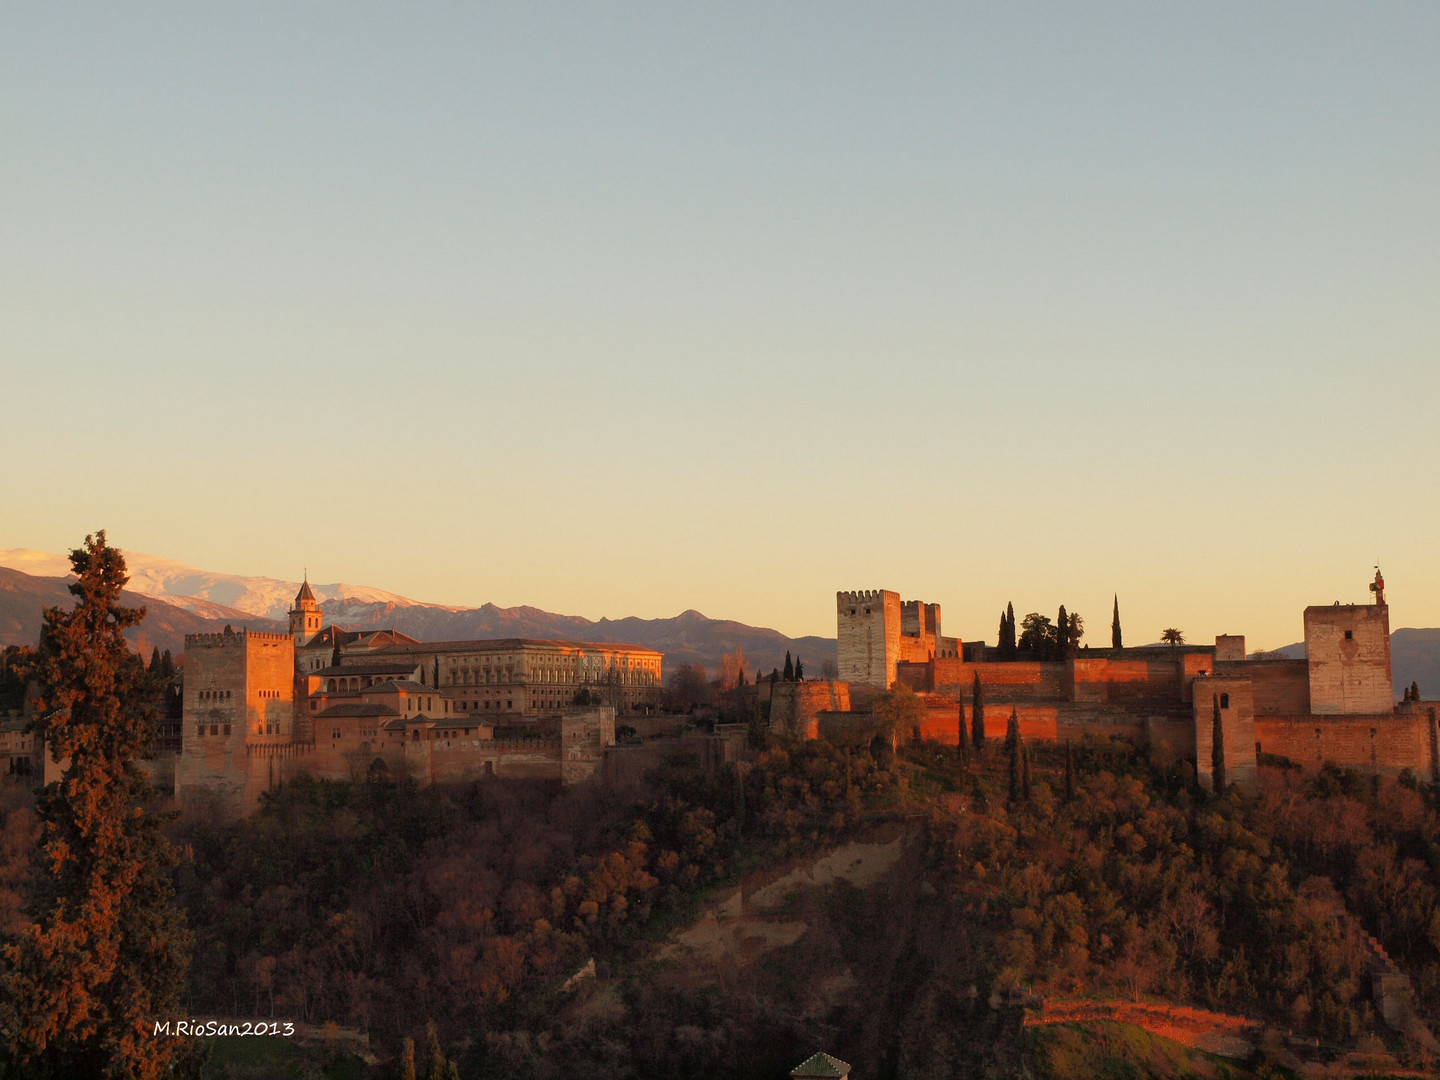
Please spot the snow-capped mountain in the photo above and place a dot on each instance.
(191, 588)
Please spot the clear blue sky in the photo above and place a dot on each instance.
(632, 309)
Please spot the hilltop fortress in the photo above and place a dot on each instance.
(333, 703)
(341, 704)
(1335, 705)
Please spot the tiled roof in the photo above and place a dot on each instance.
(821, 1065)
(335, 712)
(493, 644)
(369, 667)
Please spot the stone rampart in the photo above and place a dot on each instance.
(795, 707)
(1381, 744)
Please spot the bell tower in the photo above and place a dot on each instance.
(305, 616)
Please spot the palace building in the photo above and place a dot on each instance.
(337, 703)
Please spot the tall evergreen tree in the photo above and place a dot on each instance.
(154, 666)
(1012, 751)
(1000, 637)
(977, 716)
(435, 1063)
(1024, 771)
(1062, 634)
(962, 743)
(1217, 750)
(799, 670)
(789, 675)
(107, 952)
(1115, 641)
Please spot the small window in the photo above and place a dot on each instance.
(1349, 635)
(1257, 750)
(227, 729)
(1224, 701)
(1372, 733)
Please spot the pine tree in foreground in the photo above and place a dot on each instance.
(107, 952)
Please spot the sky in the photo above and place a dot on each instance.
(628, 309)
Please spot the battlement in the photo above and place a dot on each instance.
(860, 596)
(233, 638)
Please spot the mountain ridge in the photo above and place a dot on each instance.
(689, 637)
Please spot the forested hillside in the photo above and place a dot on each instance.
(380, 906)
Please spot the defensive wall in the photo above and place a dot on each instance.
(1336, 705)
(795, 707)
(1388, 744)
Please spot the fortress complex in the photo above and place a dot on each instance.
(337, 703)
(1335, 705)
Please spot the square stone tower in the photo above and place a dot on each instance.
(1348, 649)
(868, 633)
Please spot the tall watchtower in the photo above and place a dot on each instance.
(868, 633)
(1348, 649)
(305, 616)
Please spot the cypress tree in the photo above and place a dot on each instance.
(1069, 772)
(1000, 636)
(1217, 750)
(107, 950)
(435, 1063)
(154, 668)
(1012, 751)
(962, 744)
(799, 670)
(167, 664)
(1115, 625)
(977, 716)
(1415, 691)
(1062, 634)
(789, 668)
(1024, 771)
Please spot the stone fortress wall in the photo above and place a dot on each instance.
(1336, 705)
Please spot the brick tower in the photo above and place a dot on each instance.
(305, 616)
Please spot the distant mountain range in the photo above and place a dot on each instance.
(185, 600)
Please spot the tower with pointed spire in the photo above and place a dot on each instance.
(305, 616)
